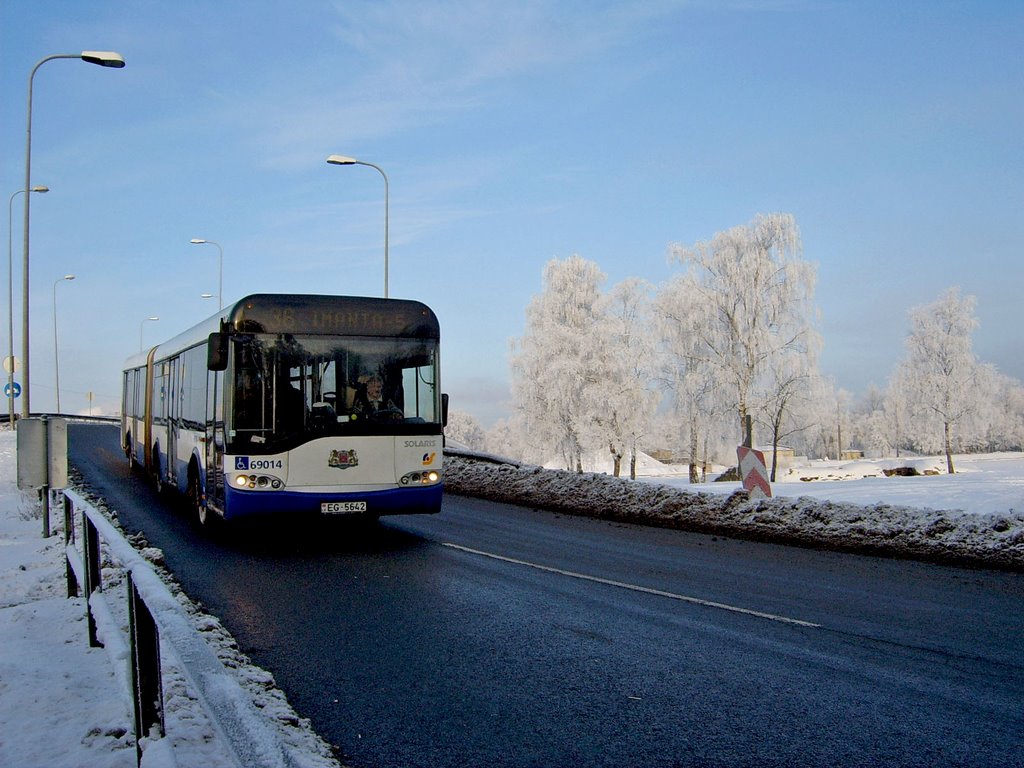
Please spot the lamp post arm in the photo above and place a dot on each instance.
(24, 231)
(386, 216)
(346, 160)
(102, 58)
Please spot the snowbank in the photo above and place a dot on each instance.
(993, 540)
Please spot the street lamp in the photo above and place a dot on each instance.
(103, 59)
(56, 357)
(343, 160)
(10, 298)
(220, 268)
(142, 325)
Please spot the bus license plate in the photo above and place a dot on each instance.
(342, 507)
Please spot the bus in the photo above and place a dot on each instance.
(293, 404)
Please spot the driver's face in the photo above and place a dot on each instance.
(373, 388)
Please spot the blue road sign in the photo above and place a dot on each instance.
(12, 390)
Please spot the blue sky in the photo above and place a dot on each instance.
(511, 134)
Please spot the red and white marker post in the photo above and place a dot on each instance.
(753, 470)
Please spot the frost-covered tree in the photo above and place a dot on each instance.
(465, 429)
(509, 438)
(784, 407)
(941, 370)
(753, 292)
(822, 405)
(897, 409)
(867, 423)
(692, 381)
(621, 399)
(1006, 427)
(557, 358)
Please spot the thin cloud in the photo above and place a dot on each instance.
(424, 65)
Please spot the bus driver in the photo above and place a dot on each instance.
(370, 401)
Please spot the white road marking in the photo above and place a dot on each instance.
(637, 588)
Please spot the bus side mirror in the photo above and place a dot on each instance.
(444, 409)
(217, 352)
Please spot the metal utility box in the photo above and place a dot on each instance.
(42, 453)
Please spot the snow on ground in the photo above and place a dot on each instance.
(64, 704)
(983, 483)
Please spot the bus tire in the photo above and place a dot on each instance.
(201, 514)
(158, 478)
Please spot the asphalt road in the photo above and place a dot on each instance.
(499, 635)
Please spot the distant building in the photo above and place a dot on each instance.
(786, 456)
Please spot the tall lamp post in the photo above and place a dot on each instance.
(142, 325)
(56, 356)
(41, 188)
(220, 267)
(343, 160)
(103, 59)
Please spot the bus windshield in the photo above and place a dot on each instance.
(287, 389)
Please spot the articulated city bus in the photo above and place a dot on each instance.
(285, 404)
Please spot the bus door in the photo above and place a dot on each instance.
(214, 440)
(131, 409)
(173, 418)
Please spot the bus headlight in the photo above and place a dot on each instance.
(257, 482)
(428, 477)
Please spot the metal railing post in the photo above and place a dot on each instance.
(91, 555)
(69, 540)
(147, 686)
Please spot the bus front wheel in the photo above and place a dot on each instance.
(200, 512)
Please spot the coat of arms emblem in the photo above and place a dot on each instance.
(343, 459)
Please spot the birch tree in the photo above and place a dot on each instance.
(555, 360)
(754, 293)
(621, 399)
(685, 370)
(940, 368)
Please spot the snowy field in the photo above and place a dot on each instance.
(983, 483)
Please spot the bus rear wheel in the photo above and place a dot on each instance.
(158, 478)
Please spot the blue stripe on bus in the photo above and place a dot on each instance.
(393, 501)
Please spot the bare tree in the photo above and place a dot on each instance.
(789, 388)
